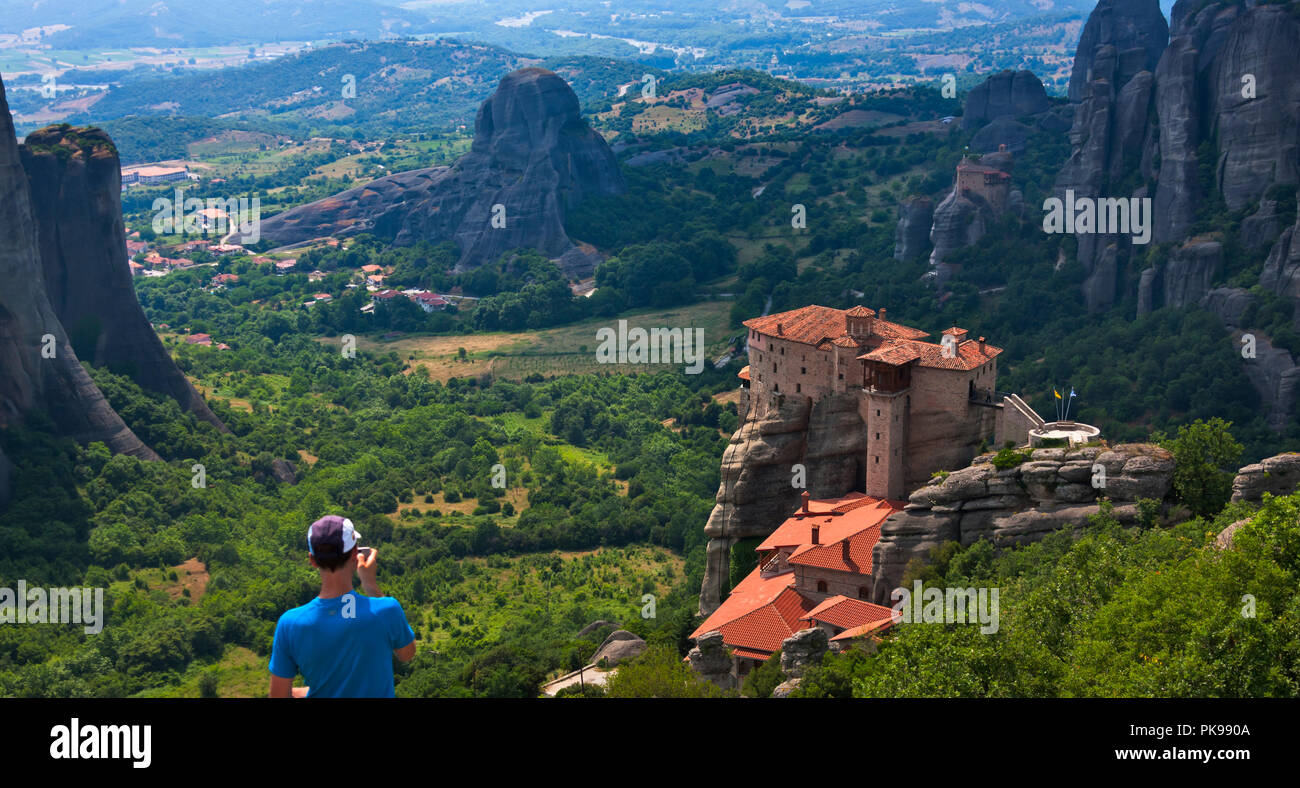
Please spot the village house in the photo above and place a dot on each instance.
(925, 406)
(814, 570)
(148, 175)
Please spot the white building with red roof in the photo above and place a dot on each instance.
(813, 571)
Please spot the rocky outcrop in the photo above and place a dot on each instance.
(756, 492)
(1281, 272)
(74, 178)
(802, 649)
(711, 660)
(1112, 86)
(959, 221)
(1134, 28)
(533, 157)
(1275, 475)
(1013, 94)
(913, 234)
(1051, 490)
(1190, 270)
(38, 368)
(620, 646)
(1272, 371)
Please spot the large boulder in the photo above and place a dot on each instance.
(1274, 475)
(1008, 93)
(620, 646)
(532, 154)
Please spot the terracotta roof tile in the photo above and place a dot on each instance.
(848, 613)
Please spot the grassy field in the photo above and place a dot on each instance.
(567, 350)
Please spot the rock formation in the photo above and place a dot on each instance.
(1135, 29)
(74, 178)
(802, 649)
(757, 494)
(38, 368)
(912, 238)
(1274, 475)
(532, 153)
(1112, 87)
(621, 645)
(1053, 489)
(1013, 94)
(1151, 99)
(963, 217)
(711, 660)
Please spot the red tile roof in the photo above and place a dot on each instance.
(760, 613)
(857, 513)
(763, 611)
(857, 632)
(812, 325)
(890, 343)
(848, 613)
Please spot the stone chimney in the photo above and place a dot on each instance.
(816, 534)
(881, 313)
(844, 546)
(804, 499)
(981, 345)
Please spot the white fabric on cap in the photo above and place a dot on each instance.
(350, 535)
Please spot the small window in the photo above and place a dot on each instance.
(841, 376)
(877, 459)
(821, 586)
(863, 592)
(798, 388)
(803, 370)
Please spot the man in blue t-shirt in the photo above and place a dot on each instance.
(340, 641)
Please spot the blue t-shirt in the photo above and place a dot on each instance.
(343, 647)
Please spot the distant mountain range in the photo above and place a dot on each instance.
(88, 24)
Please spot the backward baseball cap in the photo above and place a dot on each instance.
(332, 535)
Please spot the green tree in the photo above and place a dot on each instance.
(1205, 457)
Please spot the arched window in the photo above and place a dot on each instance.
(863, 592)
(821, 586)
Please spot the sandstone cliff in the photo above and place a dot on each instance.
(1054, 489)
(28, 324)
(1112, 86)
(1008, 93)
(913, 234)
(758, 466)
(74, 178)
(532, 153)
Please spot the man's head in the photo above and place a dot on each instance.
(332, 542)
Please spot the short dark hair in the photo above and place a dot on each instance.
(330, 560)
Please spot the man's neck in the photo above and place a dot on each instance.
(335, 584)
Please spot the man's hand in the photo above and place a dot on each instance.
(367, 566)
